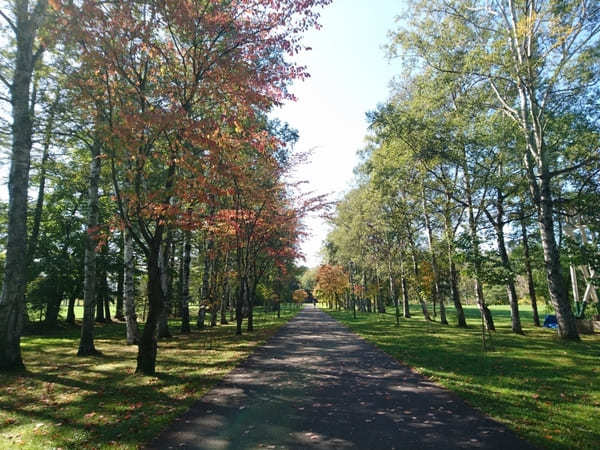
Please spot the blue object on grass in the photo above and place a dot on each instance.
(550, 321)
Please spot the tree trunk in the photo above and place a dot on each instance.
(12, 297)
(103, 299)
(352, 293)
(434, 267)
(251, 300)
(460, 314)
(204, 288)
(53, 305)
(71, 310)
(541, 194)
(510, 286)
(484, 310)
(107, 299)
(240, 303)
(132, 331)
(510, 282)
(225, 300)
(530, 285)
(185, 283)
(120, 281)
(163, 262)
(86, 342)
(100, 295)
(214, 293)
(146, 360)
(404, 289)
(559, 298)
(214, 311)
(53, 308)
(393, 292)
(39, 204)
(380, 297)
(201, 317)
(426, 315)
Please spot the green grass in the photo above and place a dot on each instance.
(63, 401)
(547, 390)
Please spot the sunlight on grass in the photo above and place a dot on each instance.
(546, 390)
(63, 401)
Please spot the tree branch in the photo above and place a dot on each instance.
(5, 81)
(9, 21)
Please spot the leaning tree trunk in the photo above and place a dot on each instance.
(460, 314)
(434, 267)
(530, 284)
(541, 194)
(86, 342)
(132, 332)
(185, 283)
(146, 360)
(12, 297)
(510, 282)
(484, 310)
(39, 204)
(558, 293)
(426, 315)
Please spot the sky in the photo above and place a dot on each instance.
(350, 75)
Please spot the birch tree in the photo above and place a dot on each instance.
(539, 59)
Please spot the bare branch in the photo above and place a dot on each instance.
(510, 111)
(5, 81)
(9, 21)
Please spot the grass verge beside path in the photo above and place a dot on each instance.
(63, 401)
(547, 390)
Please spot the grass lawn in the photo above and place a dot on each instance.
(63, 401)
(546, 390)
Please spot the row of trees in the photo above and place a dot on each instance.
(484, 162)
(147, 125)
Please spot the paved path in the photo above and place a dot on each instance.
(316, 384)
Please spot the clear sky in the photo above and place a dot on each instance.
(350, 75)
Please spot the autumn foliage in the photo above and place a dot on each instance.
(332, 282)
(177, 94)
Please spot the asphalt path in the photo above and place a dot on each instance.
(316, 384)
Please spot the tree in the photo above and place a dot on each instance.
(537, 58)
(25, 23)
(332, 282)
(299, 296)
(182, 83)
